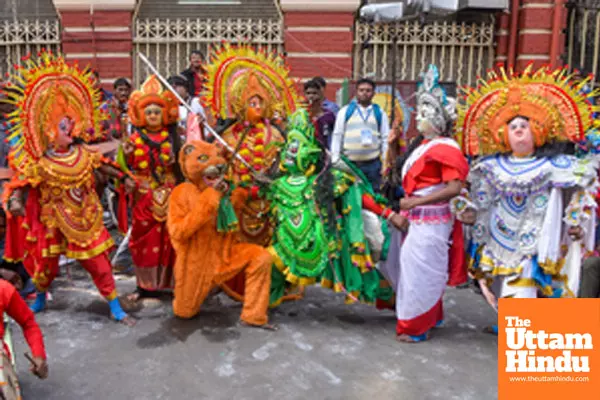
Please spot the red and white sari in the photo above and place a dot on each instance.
(431, 255)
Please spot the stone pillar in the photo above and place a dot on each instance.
(319, 39)
(535, 32)
(98, 33)
(502, 37)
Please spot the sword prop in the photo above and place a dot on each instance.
(189, 108)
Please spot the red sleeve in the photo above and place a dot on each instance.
(17, 309)
(448, 157)
(15, 239)
(451, 174)
(254, 192)
(369, 204)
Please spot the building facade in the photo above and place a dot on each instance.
(318, 38)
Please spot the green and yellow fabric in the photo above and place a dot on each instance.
(312, 242)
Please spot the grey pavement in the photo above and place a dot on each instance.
(324, 349)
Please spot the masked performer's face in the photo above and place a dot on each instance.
(153, 114)
(428, 121)
(520, 137)
(254, 112)
(63, 137)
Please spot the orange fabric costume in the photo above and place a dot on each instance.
(206, 257)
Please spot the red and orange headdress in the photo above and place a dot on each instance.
(152, 92)
(237, 74)
(556, 106)
(44, 92)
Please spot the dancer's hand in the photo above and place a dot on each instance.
(468, 217)
(395, 135)
(222, 186)
(39, 368)
(128, 147)
(408, 203)
(401, 223)
(16, 207)
(262, 178)
(12, 277)
(172, 159)
(144, 185)
(130, 185)
(576, 232)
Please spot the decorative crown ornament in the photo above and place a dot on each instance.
(236, 74)
(430, 93)
(152, 92)
(556, 105)
(44, 92)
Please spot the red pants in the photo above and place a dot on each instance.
(99, 268)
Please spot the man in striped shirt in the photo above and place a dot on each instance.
(361, 133)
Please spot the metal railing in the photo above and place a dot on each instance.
(583, 37)
(22, 37)
(461, 51)
(168, 42)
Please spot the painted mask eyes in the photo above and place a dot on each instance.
(153, 111)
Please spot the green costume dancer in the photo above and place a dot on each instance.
(319, 232)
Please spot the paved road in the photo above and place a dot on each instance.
(323, 350)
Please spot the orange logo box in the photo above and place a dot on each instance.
(548, 349)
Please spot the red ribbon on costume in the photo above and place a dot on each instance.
(457, 266)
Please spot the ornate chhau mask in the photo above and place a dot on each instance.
(434, 108)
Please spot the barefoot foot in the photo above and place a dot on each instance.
(267, 327)
(133, 297)
(118, 314)
(127, 321)
(412, 339)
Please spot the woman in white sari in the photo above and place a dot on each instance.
(422, 261)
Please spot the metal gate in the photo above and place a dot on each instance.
(461, 51)
(21, 37)
(168, 42)
(583, 37)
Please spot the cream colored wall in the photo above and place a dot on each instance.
(319, 5)
(96, 4)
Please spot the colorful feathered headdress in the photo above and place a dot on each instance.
(237, 74)
(44, 92)
(152, 92)
(558, 108)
